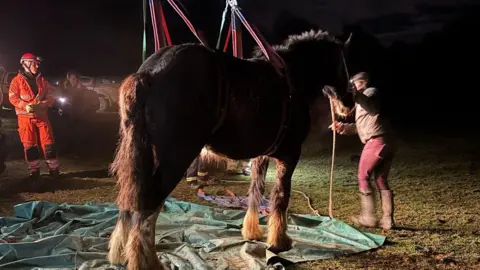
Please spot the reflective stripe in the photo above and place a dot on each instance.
(22, 103)
(52, 164)
(202, 173)
(190, 179)
(20, 112)
(34, 164)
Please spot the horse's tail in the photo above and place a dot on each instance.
(134, 157)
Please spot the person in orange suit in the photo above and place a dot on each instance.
(31, 96)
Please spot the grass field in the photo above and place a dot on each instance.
(437, 192)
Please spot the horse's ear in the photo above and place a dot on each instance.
(347, 43)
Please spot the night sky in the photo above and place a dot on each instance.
(104, 37)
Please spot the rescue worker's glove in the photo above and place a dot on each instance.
(29, 108)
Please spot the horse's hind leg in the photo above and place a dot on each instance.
(140, 249)
(119, 238)
(251, 229)
(279, 199)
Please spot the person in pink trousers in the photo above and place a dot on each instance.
(376, 134)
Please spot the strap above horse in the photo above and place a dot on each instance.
(164, 39)
(267, 50)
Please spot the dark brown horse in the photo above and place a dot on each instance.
(188, 96)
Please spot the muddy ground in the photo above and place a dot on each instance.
(436, 179)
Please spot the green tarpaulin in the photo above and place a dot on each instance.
(47, 235)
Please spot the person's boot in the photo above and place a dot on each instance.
(246, 168)
(205, 179)
(387, 222)
(55, 173)
(193, 183)
(367, 214)
(3, 153)
(3, 167)
(246, 171)
(34, 175)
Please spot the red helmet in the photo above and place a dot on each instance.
(30, 57)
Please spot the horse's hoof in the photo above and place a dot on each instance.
(251, 229)
(255, 234)
(283, 243)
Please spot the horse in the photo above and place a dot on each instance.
(185, 97)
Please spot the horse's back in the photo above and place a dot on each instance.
(174, 55)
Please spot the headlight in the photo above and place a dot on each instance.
(62, 100)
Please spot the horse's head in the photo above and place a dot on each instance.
(316, 64)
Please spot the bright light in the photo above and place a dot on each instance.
(62, 100)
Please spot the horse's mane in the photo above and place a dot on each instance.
(293, 40)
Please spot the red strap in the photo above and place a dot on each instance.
(267, 50)
(165, 27)
(236, 37)
(154, 24)
(277, 61)
(227, 40)
(188, 23)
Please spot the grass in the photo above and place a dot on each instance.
(436, 185)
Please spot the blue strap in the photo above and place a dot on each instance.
(144, 45)
(222, 25)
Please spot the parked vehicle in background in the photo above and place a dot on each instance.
(5, 79)
(106, 88)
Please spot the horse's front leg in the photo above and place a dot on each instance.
(279, 199)
(119, 238)
(251, 228)
(140, 250)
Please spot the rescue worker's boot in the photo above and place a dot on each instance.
(191, 175)
(55, 173)
(3, 153)
(193, 182)
(246, 168)
(34, 175)
(387, 221)
(3, 167)
(367, 215)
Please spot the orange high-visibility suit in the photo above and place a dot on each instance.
(23, 91)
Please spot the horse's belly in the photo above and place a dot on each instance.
(249, 129)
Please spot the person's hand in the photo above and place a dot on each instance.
(337, 126)
(29, 108)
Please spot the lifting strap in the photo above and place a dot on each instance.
(267, 50)
(162, 36)
(144, 43)
(222, 25)
(236, 37)
(160, 29)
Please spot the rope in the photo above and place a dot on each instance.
(309, 201)
(330, 200)
(314, 211)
